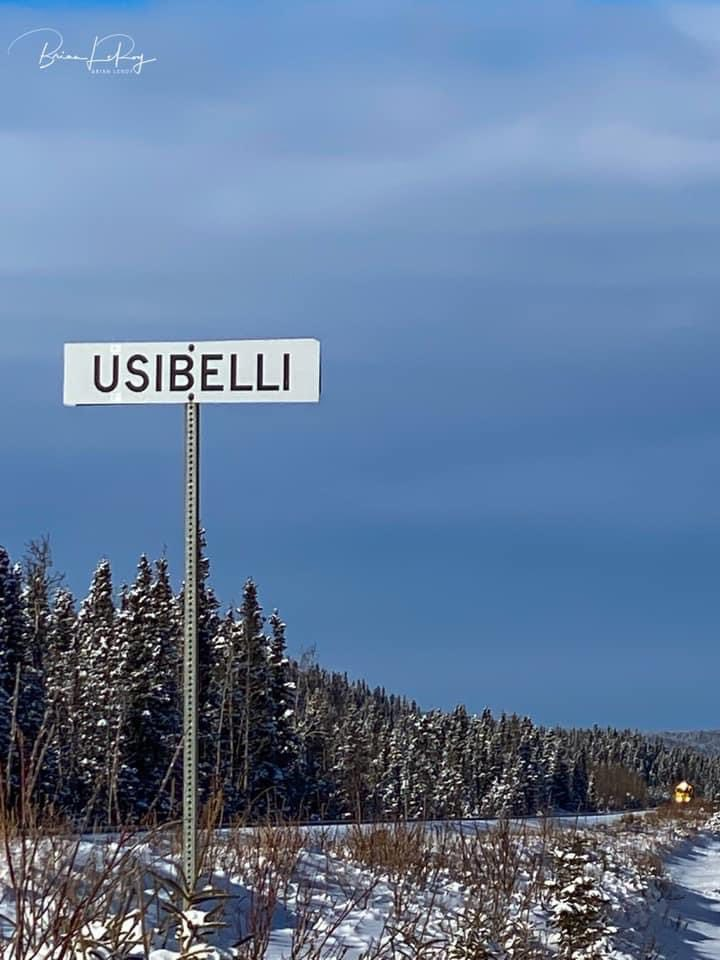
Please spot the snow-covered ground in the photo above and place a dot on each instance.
(590, 889)
(686, 925)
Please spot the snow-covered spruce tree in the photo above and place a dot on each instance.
(166, 690)
(559, 772)
(312, 725)
(544, 780)
(577, 905)
(451, 794)
(13, 637)
(579, 782)
(475, 939)
(497, 799)
(223, 708)
(251, 700)
(256, 728)
(526, 772)
(100, 700)
(208, 623)
(379, 725)
(492, 764)
(593, 800)
(351, 767)
(284, 750)
(516, 784)
(28, 702)
(394, 779)
(147, 639)
(40, 584)
(480, 757)
(504, 937)
(423, 738)
(131, 636)
(403, 762)
(62, 682)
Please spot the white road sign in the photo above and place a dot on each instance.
(214, 371)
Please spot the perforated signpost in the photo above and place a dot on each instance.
(192, 373)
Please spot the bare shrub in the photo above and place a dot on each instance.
(256, 866)
(450, 892)
(398, 849)
(329, 892)
(68, 897)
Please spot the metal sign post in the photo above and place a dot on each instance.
(217, 371)
(190, 646)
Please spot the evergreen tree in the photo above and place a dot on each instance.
(224, 708)
(100, 701)
(351, 768)
(208, 625)
(146, 636)
(165, 691)
(275, 735)
(258, 773)
(40, 585)
(283, 747)
(559, 773)
(13, 640)
(451, 790)
(62, 678)
(312, 722)
(579, 782)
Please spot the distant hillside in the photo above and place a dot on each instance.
(704, 741)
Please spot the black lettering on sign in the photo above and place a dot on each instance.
(104, 388)
(132, 363)
(234, 385)
(158, 372)
(260, 384)
(208, 371)
(176, 372)
(286, 371)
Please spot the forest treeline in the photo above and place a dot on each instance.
(91, 720)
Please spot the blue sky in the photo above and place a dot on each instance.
(502, 223)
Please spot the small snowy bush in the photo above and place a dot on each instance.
(479, 938)
(578, 906)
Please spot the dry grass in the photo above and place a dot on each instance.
(438, 892)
